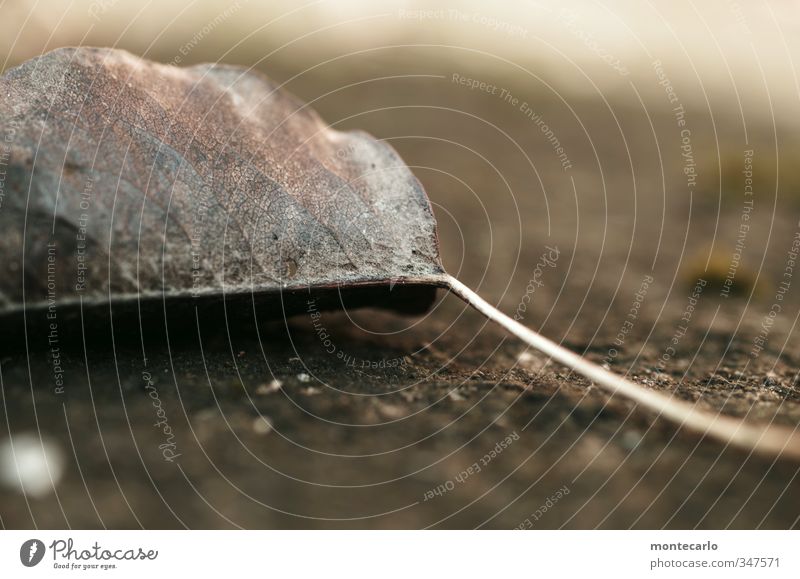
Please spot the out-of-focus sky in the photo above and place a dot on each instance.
(740, 46)
(734, 64)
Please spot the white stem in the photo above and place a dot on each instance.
(772, 440)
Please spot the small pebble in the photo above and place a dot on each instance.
(454, 395)
(391, 411)
(270, 388)
(631, 439)
(31, 465)
(206, 423)
(206, 414)
(408, 396)
(531, 362)
(525, 357)
(262, 425)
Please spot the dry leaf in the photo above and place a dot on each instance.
(136, 181)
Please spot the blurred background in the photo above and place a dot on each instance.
(636, 137)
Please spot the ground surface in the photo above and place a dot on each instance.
(384, 431)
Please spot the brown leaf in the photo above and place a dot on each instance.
(131, 181)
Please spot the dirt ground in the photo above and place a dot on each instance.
(443, 421)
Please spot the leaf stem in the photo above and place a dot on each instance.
(765, 439)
